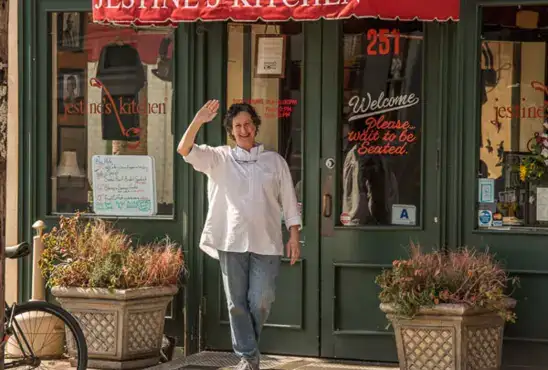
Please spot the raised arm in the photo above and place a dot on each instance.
(202, 157)
(204, 115)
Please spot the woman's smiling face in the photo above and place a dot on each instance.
(244, 130)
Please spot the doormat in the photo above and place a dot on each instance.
(227, 360)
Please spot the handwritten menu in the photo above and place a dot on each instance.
(124, 185)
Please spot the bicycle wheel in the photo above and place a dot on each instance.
(45, 336)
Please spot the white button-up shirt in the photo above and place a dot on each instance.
(248, 192)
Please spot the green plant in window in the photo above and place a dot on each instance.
(533, 167)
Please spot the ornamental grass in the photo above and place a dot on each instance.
(92, 253)
(463, 276)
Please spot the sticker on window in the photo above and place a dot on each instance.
(347, 220)
(485, 218)
(404, 214)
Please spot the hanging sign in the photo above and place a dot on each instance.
(270, 59)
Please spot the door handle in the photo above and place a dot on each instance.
(326, 205)
(326, 221)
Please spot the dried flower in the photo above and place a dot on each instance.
(95, 254)
(458, 276)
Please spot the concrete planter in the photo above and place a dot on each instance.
(449, 337)
(123, 328)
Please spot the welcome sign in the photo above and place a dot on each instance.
(380, 134)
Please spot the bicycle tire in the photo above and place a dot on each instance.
(67, 318)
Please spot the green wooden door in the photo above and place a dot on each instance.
(374, 205)
(65, 45)
(327, 304)
(293, 326)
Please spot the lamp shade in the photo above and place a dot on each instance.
(68, 167)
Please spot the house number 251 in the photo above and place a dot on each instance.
(379, 41)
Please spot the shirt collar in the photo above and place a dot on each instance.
(253, 154)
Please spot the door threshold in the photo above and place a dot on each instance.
(212, 360)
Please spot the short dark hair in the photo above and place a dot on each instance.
(236, 109)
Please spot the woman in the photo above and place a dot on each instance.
(249, 189)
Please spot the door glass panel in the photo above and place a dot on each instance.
(277, 99)
(275, 93)
(381, 123)
(111, 94)
(512, 176)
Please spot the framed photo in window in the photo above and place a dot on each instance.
(70, 31)
(70, 91)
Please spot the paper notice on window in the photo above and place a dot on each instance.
(542, 204)
(270, 56)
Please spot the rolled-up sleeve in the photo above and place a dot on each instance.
(288, 198)
(203, 158)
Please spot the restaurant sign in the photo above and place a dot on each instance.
(170, 12)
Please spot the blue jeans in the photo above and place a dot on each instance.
(249, 281)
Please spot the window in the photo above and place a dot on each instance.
(111, 118)
(264, 69)
(512, 180)
(381, 123)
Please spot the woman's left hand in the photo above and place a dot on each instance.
(293, 249)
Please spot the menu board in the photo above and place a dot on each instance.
(124, 185)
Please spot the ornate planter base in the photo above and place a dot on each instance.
(448, 337)
(123, 329)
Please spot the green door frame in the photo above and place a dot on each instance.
(34, 82)
(523, 251)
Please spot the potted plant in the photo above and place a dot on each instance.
(448, 309)
(118, 292)
(533, 167)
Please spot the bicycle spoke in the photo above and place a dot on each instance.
(38, 336)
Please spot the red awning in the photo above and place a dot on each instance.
(170, 12)
(147, 45)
